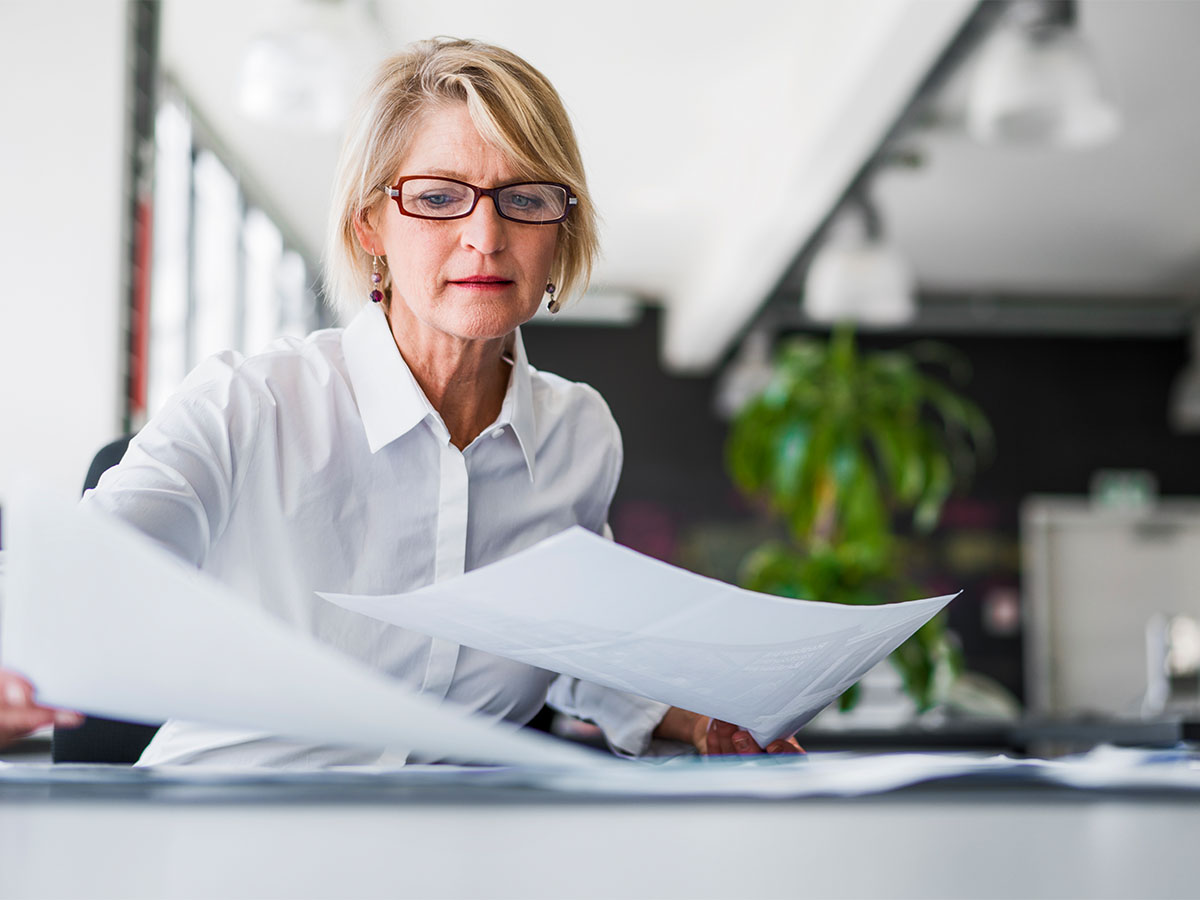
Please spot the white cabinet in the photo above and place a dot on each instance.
(1092, 580)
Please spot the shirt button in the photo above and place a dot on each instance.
(497, 432)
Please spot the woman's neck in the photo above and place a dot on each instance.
(465, 380)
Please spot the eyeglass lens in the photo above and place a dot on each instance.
(434, 198)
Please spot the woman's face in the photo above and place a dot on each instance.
(473, 278)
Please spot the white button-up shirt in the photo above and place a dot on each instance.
(320, 465)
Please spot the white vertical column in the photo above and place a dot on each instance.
(62, 155)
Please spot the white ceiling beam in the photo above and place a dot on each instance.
(833, 129)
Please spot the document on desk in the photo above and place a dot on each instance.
(105, 621)
(586, 607)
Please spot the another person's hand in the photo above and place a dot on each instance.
(713, 737)
(20, 715)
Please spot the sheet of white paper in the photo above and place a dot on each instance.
(105, 621)
(583, 606)
(1125, 767)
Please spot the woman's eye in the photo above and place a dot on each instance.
(524, 201)
(436, 200)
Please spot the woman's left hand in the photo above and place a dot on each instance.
(714, 737)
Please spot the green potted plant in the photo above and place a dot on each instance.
(844, 446)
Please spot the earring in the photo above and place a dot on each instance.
(376, 280)
(554, 306)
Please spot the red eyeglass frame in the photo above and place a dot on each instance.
(393, 191)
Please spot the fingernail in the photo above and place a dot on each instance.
(741, 740)
(13, 695)
(67, 719)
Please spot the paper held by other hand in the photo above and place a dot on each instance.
(105, 621)
(586, 607)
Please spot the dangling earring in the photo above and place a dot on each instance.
(376, 280)
(554, 306)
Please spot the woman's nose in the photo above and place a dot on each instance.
(484, 230)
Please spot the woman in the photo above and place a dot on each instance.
(417, 443)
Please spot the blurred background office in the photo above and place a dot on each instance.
(1016, 181)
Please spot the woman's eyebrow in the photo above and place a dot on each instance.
(459, 176)
(446, 173)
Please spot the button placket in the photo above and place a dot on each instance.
(449, 559)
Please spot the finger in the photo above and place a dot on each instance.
(724, 737)
(17, 722)
(18, 700)
(784, 746)
(32, 717)
(715, 732)
(700, 734)
(65, 718)
(18, 713)
(745, 744)
(713, 737)
(16, 692)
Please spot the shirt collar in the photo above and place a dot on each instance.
(391, 401)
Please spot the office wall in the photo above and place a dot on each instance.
(62, 114)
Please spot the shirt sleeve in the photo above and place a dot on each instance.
(627, 720)
(178, 480)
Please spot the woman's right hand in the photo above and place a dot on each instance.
(19, 714)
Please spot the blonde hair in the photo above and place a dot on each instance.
(514, 108)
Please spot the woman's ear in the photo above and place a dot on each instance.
(368, 237)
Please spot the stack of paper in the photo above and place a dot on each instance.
(105, 621)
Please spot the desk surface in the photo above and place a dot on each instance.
(283, 841)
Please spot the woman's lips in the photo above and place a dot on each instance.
(482, 283)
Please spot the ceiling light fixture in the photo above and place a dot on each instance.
(746, 376)
(298, 75)
(857, 276)
(1037, 83)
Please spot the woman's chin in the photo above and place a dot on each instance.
(466, 317)
(481, 321)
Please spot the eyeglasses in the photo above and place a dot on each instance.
(530, 202)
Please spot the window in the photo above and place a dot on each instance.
(223, 274)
